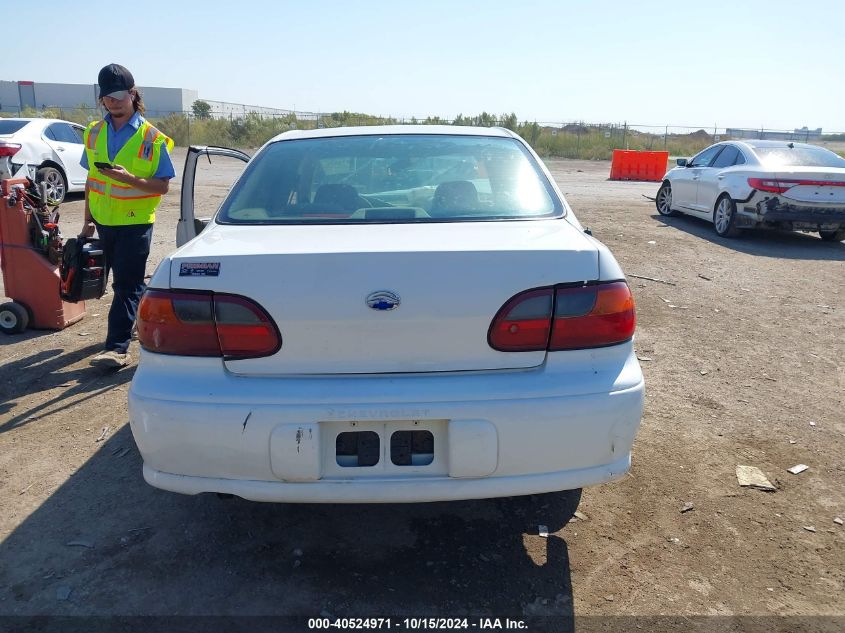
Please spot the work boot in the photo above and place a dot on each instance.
(110, 359)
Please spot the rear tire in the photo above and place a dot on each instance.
(832, 236)
(14, 318)
(724, 217)
(56, 183)
(663, 201)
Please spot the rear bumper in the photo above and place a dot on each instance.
(400, 491)
(794, 213)
(567, 424)
(775, 211)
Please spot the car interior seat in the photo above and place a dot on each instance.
(338, 197)
(454, 196)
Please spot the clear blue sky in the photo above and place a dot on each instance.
(776, 64)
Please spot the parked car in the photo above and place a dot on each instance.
(760, 184)
(385, 314)
(47, 150)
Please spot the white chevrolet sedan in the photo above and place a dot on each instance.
(760, 184)
(386, 314)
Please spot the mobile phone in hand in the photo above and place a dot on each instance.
(100, 165)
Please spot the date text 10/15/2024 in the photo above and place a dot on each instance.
(414, 624)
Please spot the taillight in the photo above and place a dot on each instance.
(523, 323)
(177, 323)
(9, 149)
(243, 328)
(779, 185)
(567, 317)
(593, 316)
(205, 324)
(772, 185)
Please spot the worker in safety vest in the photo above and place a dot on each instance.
(129, 169)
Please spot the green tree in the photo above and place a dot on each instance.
(530, 132)
(176, 126)
(510, 122)
(201, 109)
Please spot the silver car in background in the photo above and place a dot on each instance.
(760, 184)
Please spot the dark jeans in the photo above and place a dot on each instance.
(126, 249)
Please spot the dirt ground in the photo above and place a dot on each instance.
(744, 360)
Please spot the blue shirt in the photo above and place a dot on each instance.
(117, 139)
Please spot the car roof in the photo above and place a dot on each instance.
(395, 130)
(753, 144)
(42, 120)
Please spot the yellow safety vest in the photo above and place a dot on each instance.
(114, 203)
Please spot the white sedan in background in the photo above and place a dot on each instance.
(760, 184)
(47, 150)
(386, 314)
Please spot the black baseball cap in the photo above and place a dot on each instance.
(115, 78)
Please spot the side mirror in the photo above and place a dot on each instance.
(682, 162)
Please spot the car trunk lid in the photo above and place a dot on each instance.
(813, 184)
(450, 280)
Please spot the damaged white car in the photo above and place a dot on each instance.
(760, 184)
(386, 314)
(46, 150)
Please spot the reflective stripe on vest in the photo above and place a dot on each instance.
(112, 202)
(96, 186)
(93, 133)
(125, 192)
(146, 150)
(118, 192)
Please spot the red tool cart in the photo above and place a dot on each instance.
(30, 256)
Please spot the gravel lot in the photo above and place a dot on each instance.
(744, 360)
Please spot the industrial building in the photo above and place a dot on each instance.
(15, 96)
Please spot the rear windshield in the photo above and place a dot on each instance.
(798, 157)
(391, 178)
(10, 127)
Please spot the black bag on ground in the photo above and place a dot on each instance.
(82, 270)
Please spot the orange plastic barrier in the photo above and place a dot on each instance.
(633, 165)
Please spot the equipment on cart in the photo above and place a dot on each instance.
(82, 270)
(31, 250)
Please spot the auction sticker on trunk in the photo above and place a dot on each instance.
(199, 269)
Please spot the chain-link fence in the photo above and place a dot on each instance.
(240, 125)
